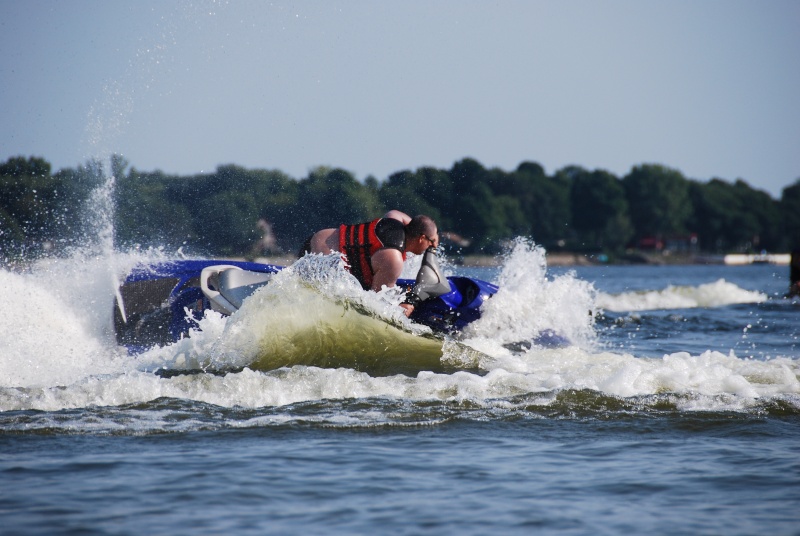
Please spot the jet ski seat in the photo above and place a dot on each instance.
(226, 286)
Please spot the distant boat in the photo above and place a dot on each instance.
(760, 258)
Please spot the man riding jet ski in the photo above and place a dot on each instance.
(374, 251)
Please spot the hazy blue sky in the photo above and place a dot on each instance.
(711, 88)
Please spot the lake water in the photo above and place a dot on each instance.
(674, 410)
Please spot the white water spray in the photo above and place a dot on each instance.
(530, 303)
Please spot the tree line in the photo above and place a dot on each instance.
(228, 212)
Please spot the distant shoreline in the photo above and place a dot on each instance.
(565, 259)
(638, 258)
(580, 259)
(561, 258)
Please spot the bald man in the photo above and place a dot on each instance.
(374, 251)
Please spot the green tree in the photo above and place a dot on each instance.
(229, 223)
(545, 202)
(425, 191)
(402, 191)
(658, 199)
(437, 192)
(732, 217)
(73, 187)
(217, 213)
(329, 197)
(278, 198)
(713, 204)
(471, 211)
(145, 214)
(599, 209)
(12, 236)
(516, 193)
(758, 218)
(28, 204)
(19, 166)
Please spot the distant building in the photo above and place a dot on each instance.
(669, 243)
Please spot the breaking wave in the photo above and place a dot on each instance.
(716, 294)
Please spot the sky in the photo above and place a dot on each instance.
(708, 87)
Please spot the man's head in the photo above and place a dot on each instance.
(421, 234)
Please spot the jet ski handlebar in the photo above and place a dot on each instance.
(430, 282)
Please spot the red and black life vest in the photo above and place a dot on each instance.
(358, 243)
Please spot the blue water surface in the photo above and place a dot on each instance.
(570, 461)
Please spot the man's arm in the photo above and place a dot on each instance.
(388, 265)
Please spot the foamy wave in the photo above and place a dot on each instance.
(711, 381)
(709, 374)
(529, 303)
(716, 294)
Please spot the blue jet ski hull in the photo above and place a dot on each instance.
(155, 299)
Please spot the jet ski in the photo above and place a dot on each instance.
(160, 303)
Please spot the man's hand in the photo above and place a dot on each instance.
(407, 308)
